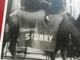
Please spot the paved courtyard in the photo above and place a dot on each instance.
(36, 55)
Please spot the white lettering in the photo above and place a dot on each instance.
(41, 37)
(46, 38)
(36, 36)
(27, 29)
(50, 38)
(27, 36)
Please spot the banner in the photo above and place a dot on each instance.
(35, 32)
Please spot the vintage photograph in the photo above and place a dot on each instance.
(42, 30)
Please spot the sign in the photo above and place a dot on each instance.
(35, 32)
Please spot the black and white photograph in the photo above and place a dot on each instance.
(41, 30)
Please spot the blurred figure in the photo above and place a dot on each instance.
(29, 8)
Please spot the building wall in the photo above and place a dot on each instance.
(75, 8)
(79, 5)
(68, 5)
(15, 4)
(72, 6)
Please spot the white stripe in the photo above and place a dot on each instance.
(3, 25)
